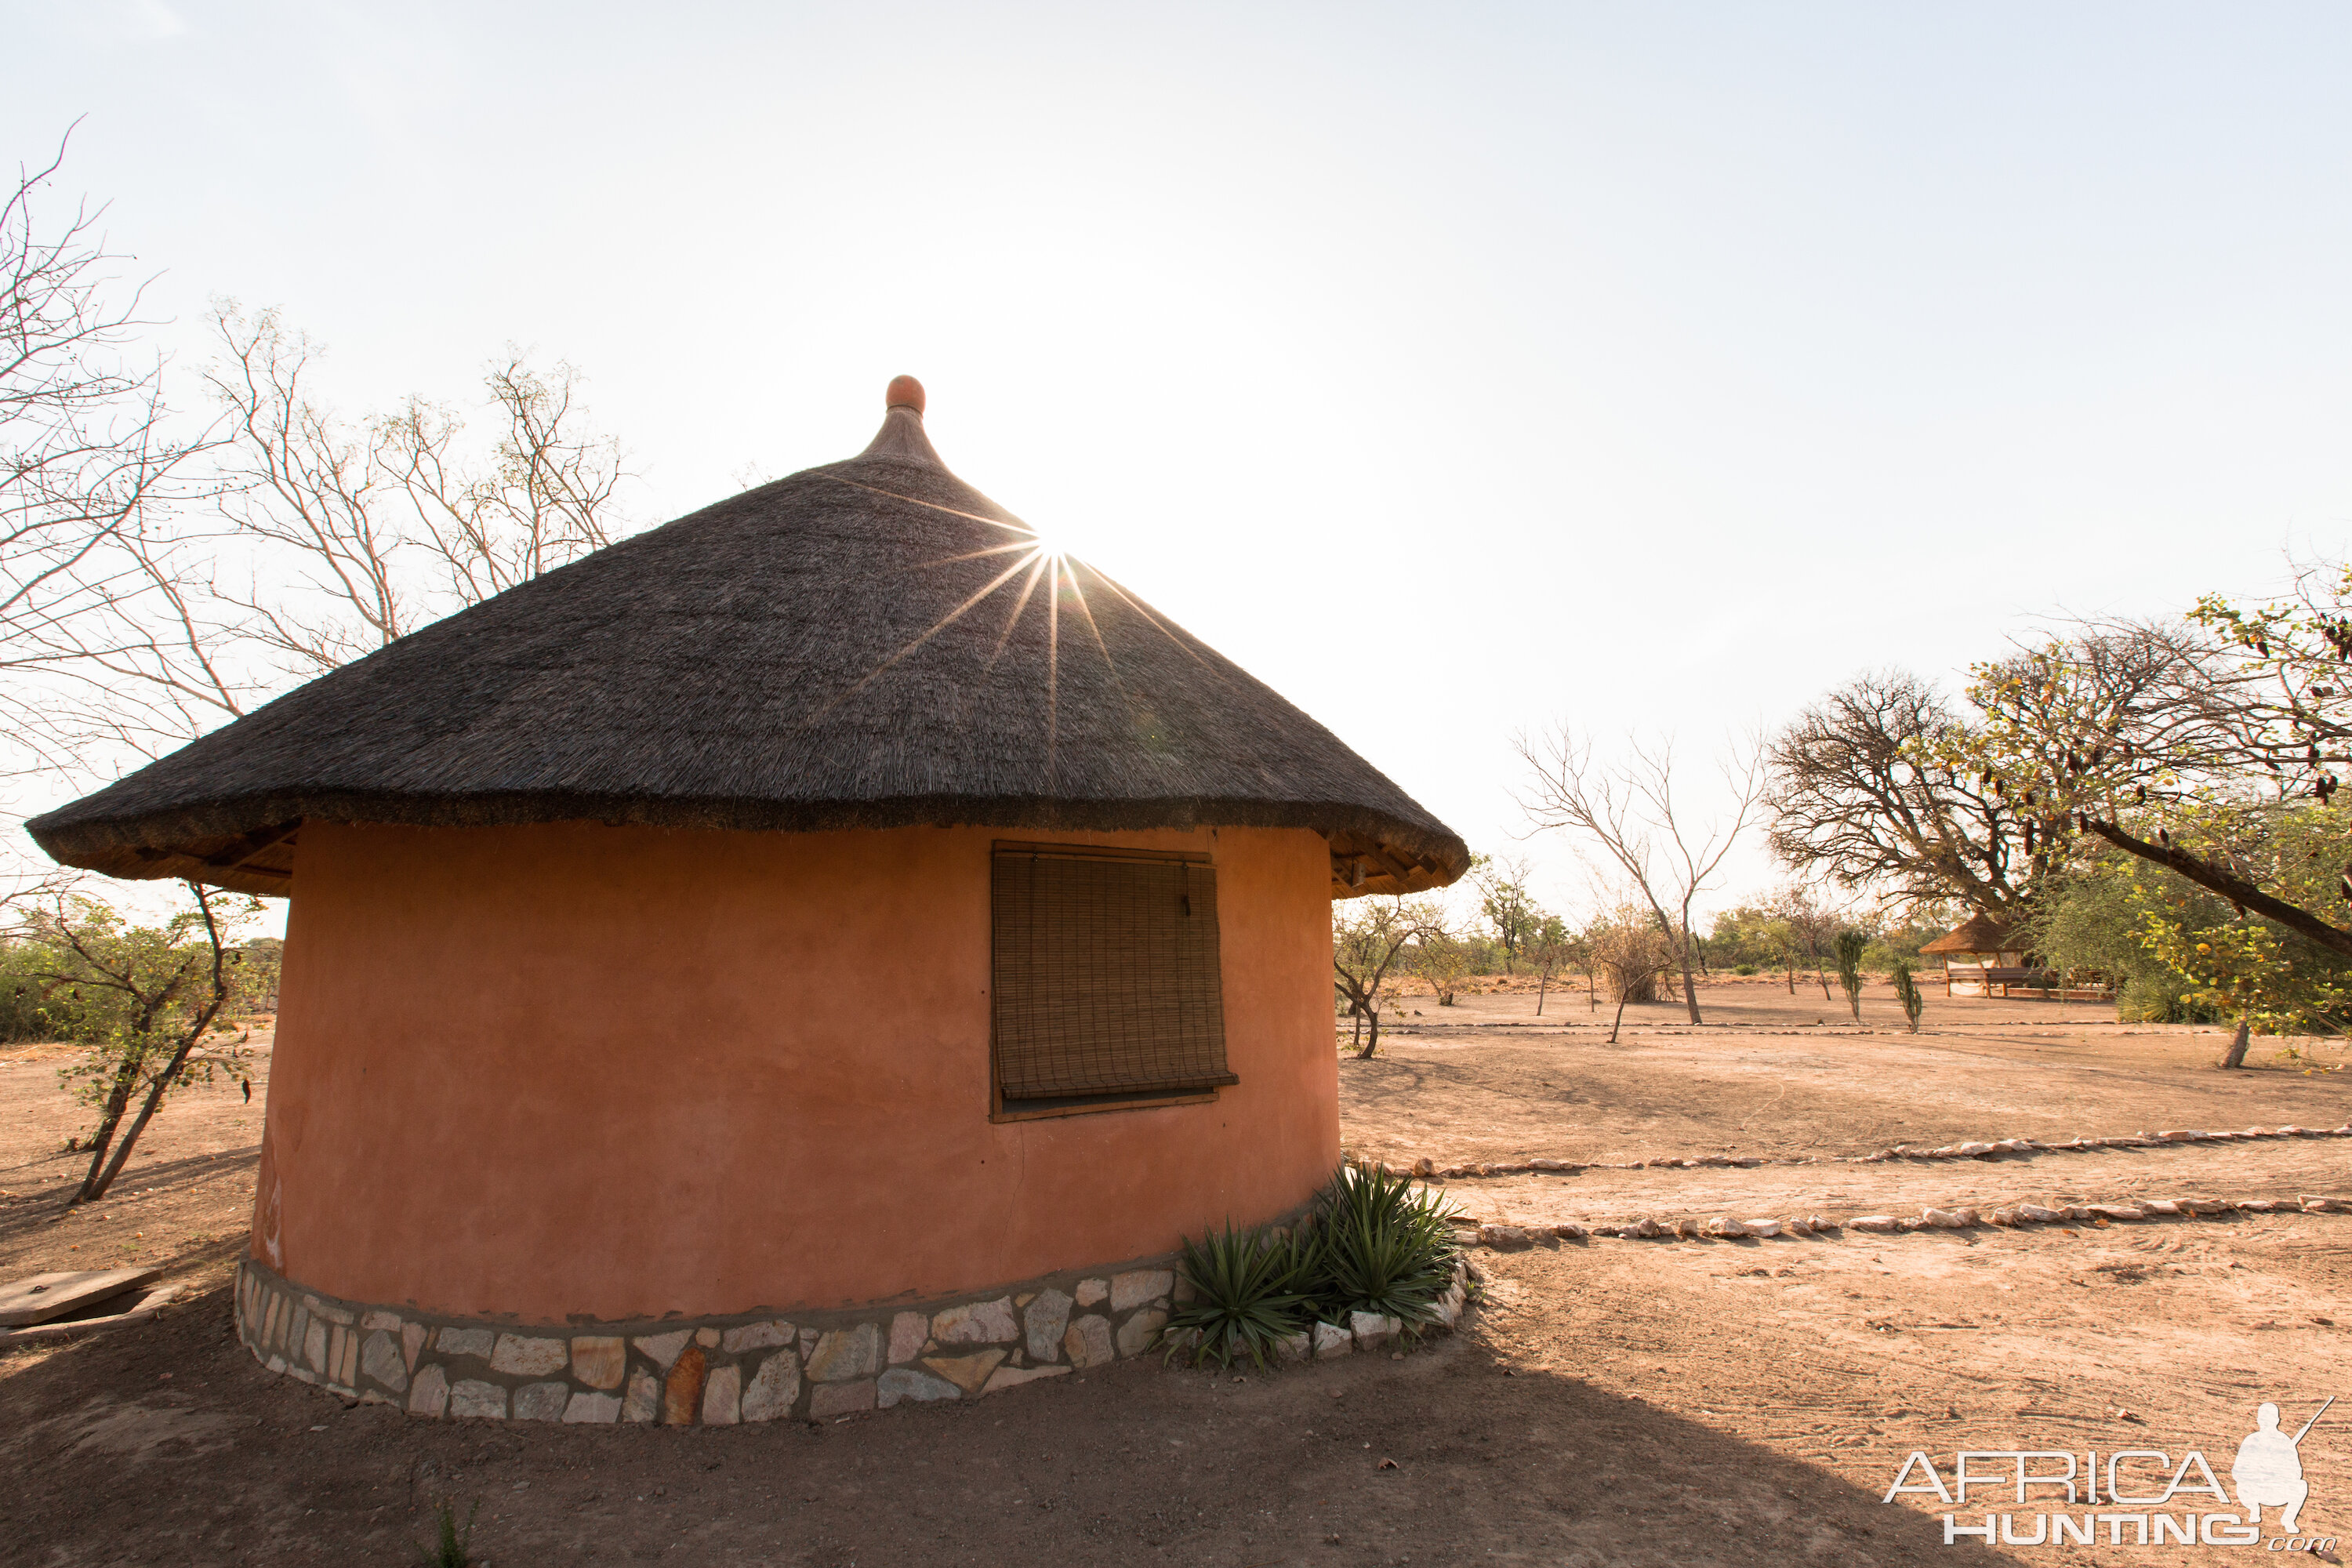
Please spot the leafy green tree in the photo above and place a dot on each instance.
(1907, 991)
(1851, 945)
(1504, 902)
(1442, 959)
(169, 984)
(1367, 937)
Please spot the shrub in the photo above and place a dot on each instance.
(1247, 1295)
(1385, 1246)
(1375, 1243)
(1744, 969)
(452, 1544)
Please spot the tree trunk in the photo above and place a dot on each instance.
(1542, 980)
(1792, 980)
(2235, 1057)
(1620, 1018)
(1690, 991)
(118, 1101)
(1372, 1043)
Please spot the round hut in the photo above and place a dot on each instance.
(820, 953)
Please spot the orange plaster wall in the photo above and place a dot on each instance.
(618, 1072)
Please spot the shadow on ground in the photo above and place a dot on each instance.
(220, 1462)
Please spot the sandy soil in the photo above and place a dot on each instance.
(1615, 1402)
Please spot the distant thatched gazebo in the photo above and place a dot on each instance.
(820, 953)
(1975, 955)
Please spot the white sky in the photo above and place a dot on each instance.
(1453, 369)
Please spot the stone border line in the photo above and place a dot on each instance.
(723, 1370)
(1425, 1166)
(1643, 1227)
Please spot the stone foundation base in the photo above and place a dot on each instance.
(713, 1370)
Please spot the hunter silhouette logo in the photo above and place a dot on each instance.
(2148, 1498)
(2269, 1471)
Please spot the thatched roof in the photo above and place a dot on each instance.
(870, 644)
(1980, 933)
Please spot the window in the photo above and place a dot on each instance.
(1104, 979)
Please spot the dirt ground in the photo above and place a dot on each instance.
(1612, 1402)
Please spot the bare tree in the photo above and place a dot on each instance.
(1628, 810)
(1865, 792)
(86, 446)
(547, 499)
(370, 530)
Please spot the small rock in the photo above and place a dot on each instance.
(464, 1342)
(520, 1355)
(380, 1358)
(2256, 1206)
(1760, 1228)
(2161, 1206)
(759, 1336)
(593, 1407)
(1876, 1222)
(1569, 1230)
(1087, 1341)
(774, 1388)
(904, 1382)
(1331, 1341)
(1372, 1331)
(644, 1402)
(412, 1342)
(599, 1361)
(1725, 1228)
(970, 1372)
(975, 1323)
(2117, 1211)
(1292, 1349)
(470, 1397)
(1007, 1377)
(1509, 1237)
(1135, 1335)
(429, 1395)
(842, 1355)
(682, 1390)
(541, 1401)
(1139, 1286)
(1425, 1167)
(1947, 1219)
(909, 1332)
(1091, 1293)
(828, 1399)
(722, 1397)
(1044, 1323)
(707, 1337)
(664, 1348)
(2042, 1215)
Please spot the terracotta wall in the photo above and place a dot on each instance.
(619, 1072)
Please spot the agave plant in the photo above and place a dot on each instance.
(1382, 1244)
(1247, 1294)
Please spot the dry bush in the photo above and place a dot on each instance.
(1632, 954)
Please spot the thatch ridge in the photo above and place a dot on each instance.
(787, 660)
(1978, 933)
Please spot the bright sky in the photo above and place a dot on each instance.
(1454, 369)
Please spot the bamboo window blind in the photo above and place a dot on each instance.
(1105, 975)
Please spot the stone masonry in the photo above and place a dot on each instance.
(717, 1371)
